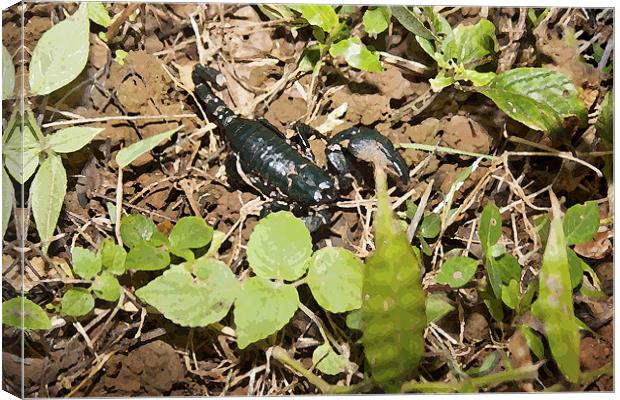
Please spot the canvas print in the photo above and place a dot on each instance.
(205, 199)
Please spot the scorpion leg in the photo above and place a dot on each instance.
(303, 132)
(367, 145)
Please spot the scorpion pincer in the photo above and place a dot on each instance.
(264, 158)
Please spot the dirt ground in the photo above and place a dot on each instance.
(128, 351)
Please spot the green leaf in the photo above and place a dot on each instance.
(469, 45)
(541, 223)
(77, 302)
(47, 194)
(537, 97)
(322, 16)
(130, 153)
(441, 81)
(98, 14)
(477, 78)
(555, 299)
(120, 56)
(68, 140)
(354, 319)
(437, 307)
(275, 11)
(21, 148)
(262, 308)
(310, 57)
(113, 257)
(8, 194)
(136, 228)
(86, 264)
(575, 267)
(327, 361)
(490, 299)
(457, 271)
(490, 228)
(489, 362)
(61, 53)
(581, 222)
(431, 226)
(280, 247)
(190, 233)
(376, 19)
(31, 316)
(8, 74)
(534, 342)
(497, 250)
(147, 257)
(193, 301)
(356, 54)
(106, 287)
(411, 22)
(507, 267)
(335, 278)
(511, 294)
(605, 121)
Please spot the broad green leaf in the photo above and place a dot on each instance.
(61, 53)
(190, 233)
(555, 299)
(322, 16)
(86, 264)
(30, 316)
(47, 194)
(468, 45)
(113, 257)
(21, 148)
(490, 228)
(77, 302)
(193, 301)
(106, 287)
(146, 257)
(262, 308)
(605, 121)
(376, 19)
(327, 361)
(98, 14)
(354, 319)
(280, 247)
(8, 74)
(507, 267)
(335, 278)
(356, 54)
(575, 267)
(72, 139)
(437, 307)
(581, 222)
(537, 97)
(411, 21)
(130, 153)
(136, 228)
(533, 341)
(8, 194)
(457, 271)
(511, 294)
(478, 78)
(431, 226)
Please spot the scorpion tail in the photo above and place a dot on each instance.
(202, 75)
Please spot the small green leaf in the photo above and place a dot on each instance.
(322, 16)
(77, 302)
(113, 257)
(489, 298)
(146, 257)
(537, 97)
(186, 254)
(534, 342)
(478, 78)
(437, 307)
(262, 308)
(86, 264)
(605, 121)
(120, 56)
(431, 226)
(47, 194)
(106, 287)
(489, 362)
(68, 140)
(335, 278)
(61, 53)
(98, 14)
(31, 316)
(376, 19)
(541, 223)
(189, 301)
(136, 228)
(575, 267)
(8, 74)
(581, 222)
(310, 57)
(190, 233)
(411, 21)
(21, 148)
(511, 294)
(470, 44)
(497, 250)
(275, 11)
(8, 194)
(354, 319)
(490, 228)
(441, 81)
(280, 247)
(507, 267)
(356, 54)
(130, 153)
(327, 361)
(457, 271)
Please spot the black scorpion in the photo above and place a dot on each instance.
(264, 159)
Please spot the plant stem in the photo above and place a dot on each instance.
(443, 149)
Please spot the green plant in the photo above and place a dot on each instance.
(22, 313)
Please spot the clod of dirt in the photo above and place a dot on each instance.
(594, 353)
(465, 134)
(390, 82)
(149, 370)
(476, 327)
(363, 109)
(519, 350)
(286, 109)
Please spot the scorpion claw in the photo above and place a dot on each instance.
(203, 74)
(367, 145)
